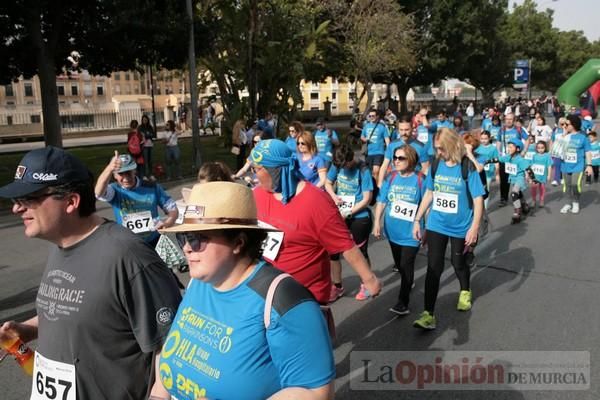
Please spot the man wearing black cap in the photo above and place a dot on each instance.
(106, 300)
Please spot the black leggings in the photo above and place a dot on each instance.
(360, 229)
(436, 243)
(404, 258)
(504, 185)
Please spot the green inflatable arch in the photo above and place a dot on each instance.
(579, 82)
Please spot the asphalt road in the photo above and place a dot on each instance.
(535, 289)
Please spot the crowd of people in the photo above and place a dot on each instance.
(264, 254)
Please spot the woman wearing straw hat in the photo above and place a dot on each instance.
(310, 223)
(244, 329)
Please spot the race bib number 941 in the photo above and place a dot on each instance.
(403, 210)
(445, 202)
(52, 380)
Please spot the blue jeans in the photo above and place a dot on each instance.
(172, 156)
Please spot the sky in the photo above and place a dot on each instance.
(581, 15)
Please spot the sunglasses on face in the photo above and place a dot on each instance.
(28, 201)
(196, 240)
(399, 158)
(301, 144)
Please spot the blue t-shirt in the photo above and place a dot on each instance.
(325, 144)
(398, 217)
(494, 131)
(352, 182)
(595, 149)
(486, 124)
(291, 143)
(376, 133)
(267, 128)
(218, 346)
(484, 153)
(540, 164)
(143, 197)
(530, 152)
(515, 167)
(450, 212)
(419, 147)
(506, 135)
(587, 126)
(310, 168)
(557, 134)
(574, 157)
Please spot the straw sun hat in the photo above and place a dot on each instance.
(219, 205)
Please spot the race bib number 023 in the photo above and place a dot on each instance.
(52, 380)
(445, 202)
(403, 210)
(138, 222)
(571, 157)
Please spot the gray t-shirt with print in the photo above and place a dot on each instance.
(105, 305)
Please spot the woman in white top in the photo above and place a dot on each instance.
(173, 154)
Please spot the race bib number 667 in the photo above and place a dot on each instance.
(52, 380)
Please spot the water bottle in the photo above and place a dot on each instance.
(21, 352)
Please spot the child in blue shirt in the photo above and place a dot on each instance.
(595, 150)
(516, 169)
(530, 148)
(485, 152)
(541, 164)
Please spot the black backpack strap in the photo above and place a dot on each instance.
(466, 167)
(433, 168)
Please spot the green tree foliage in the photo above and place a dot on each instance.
(572, 51)
(39, 35)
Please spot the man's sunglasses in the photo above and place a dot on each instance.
(197, 241)
(28, 201)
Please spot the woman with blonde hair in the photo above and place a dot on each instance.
(312, 165)
(455, 195)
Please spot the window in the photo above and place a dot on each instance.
(334, 96)
(100, 90)
(314, 96)
(36, 119)
(29, 103)
(74, 90)
(28, 89)
(9, 120)
(10, 103)
(8, 90)
(127, 76)
(87, 89)
(60, 89)
(136, 89)
(117, 76)
(117, 89)
(158, 89)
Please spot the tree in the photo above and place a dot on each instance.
(530, 36)
(39, 35)
(377, 38)
(572, 51)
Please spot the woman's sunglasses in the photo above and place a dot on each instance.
(399, 158)
(197, 241)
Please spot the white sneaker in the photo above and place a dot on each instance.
(562, 181)
(554, 183)
(565, 209)
(575, 208)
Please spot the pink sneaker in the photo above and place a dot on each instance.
(363, 293)
(335, 293)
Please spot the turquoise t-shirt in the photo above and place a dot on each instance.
(450, 212)
(506, 135)
(310, 168)
(291, 143)
(530, 152)
(574, 157)
(218, 346)
(485, 153)
(515, 167)
(419, 147)
(144, 197)
(352, 182)
(325, 144)
(494, 131)
(595, 149)
(540, 164)
(376, 133)
(401, 196)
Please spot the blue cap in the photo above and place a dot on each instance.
(127, 163)
(42, 168)
(517, 142)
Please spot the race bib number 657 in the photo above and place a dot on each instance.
(52, 380)
(445, 202)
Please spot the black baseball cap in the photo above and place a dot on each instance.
(42, 168)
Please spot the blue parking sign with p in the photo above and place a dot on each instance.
(521, 73)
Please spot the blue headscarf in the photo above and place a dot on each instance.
(277, 158)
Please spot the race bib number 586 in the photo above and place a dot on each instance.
(445, 202)
(52, 380)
